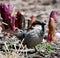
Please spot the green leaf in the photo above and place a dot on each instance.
(46, 53)
(38, 46)
(44, 45)
(9, 46)
(49, 47)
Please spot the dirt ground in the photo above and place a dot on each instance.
(37, 7)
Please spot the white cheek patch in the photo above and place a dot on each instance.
(38, 27)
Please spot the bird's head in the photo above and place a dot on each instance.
(39, 26)
(54, 15)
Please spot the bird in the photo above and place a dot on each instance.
(51, 37)
(34, 36)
